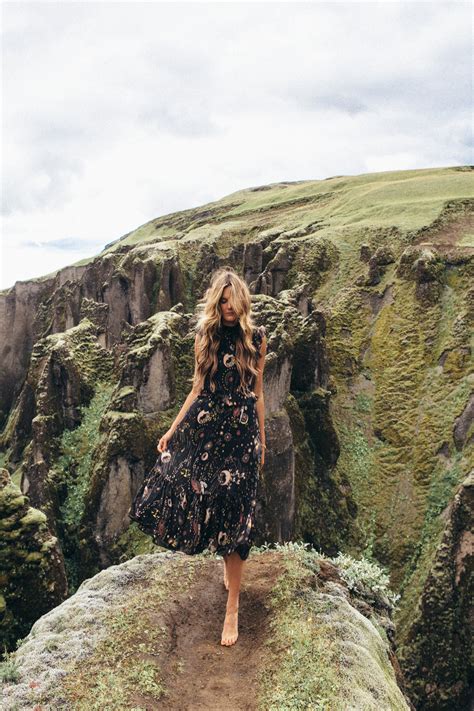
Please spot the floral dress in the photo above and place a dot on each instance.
(201, 492)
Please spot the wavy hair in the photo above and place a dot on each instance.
(209, 330)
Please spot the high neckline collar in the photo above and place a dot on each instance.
(229, 326)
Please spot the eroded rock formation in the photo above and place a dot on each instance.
(32, 574)
(437, 645)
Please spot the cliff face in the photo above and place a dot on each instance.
(364, 284)
(32, 575)
(435, 649)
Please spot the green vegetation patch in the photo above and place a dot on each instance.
(72, 469)
(302, 675)
(323, 655)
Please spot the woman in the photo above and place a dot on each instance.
(202, 490)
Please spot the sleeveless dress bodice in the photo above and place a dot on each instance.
(227, 377)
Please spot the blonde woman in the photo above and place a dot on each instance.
(201, 492)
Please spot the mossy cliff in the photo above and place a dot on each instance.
(32, 576)
(364, 284)
(436, 648)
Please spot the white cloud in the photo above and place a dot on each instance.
(115, 113)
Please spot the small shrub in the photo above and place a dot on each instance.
(365, 573)
(9, 669)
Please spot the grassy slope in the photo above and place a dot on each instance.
(408, 199)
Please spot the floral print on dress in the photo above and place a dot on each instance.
(202, 491)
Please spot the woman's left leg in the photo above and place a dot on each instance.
(234, 565)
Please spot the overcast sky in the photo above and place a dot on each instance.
(116, 113)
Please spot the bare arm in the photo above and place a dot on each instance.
(190, 398)
(186, 405)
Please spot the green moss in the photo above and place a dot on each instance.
(11, 499)
(73, 468)
(390, 438)
(7, 523)
(12, 536)
(49, 544)
(322, 654)
(163, 330)
(306, 485)
(302, 647)
(363, 404)
(183, 365)
(71, 475)
(26, 563)
(314, 257)
(34, 517)
(125, 392)
(78, 346)
(347, 333)
(357, 461)
(324, 504)
(34, 557)
(440, 493)
(132, 542)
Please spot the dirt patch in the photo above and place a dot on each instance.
(198, 672)
(445, 235)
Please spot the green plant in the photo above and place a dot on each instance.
(368, 573)
(74, 466)
(9, 668)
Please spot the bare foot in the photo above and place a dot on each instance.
(230, 632)
(226, 581)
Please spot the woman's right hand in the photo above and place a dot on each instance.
(163, 443)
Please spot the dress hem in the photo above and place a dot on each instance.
(219, 550)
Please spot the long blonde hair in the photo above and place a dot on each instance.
(208, 329)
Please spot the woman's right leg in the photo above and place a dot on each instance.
(234, 568)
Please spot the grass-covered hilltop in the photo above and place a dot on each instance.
(365, 286)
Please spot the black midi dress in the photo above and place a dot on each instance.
(202, 490)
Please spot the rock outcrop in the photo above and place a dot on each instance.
(32, 574)
(436, 648)
(146, 634)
